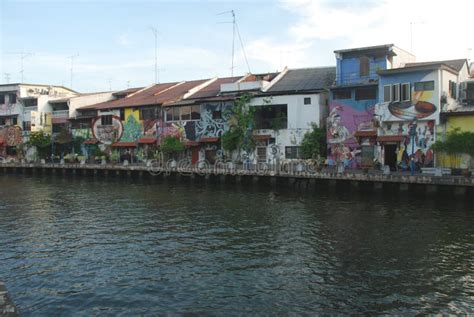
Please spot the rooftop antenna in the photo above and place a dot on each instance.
(469, 50)
(22, 55)
(128, 84)
(155, 34)
(235, 28)
(72, 57)
(7, 78)
(109, 80)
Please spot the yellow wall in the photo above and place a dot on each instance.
(465, 123)
(132, 112)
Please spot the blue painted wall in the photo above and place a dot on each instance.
(348, 70)
(401, 79)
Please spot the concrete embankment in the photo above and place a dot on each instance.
(356, 180)
(7, 307)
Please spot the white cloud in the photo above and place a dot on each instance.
(124, 40)
(443, 33)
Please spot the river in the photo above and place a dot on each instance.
(85, 247)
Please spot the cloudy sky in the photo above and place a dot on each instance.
(113, 43)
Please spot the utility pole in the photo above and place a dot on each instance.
(7, 78)
(72, 67)
(155, 34)
(109, 80)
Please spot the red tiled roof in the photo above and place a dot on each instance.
(155, 95)
(365, 134)
(261, 137)
(124, 144)
(192, 143)
(209, 140)
(148, 140)
(391, 138)
(91, 141)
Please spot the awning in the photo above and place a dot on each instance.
(365, 134)
(209, 140)
(59, 120)
(91, 141)
(125, 144)
(147, 140)
(391, 138)
(262, 137)
(192, 143)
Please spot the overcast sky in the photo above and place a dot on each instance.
(115, 45)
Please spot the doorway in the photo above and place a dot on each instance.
(390, 156)
(194, 155)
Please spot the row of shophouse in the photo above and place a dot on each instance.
(377, 105)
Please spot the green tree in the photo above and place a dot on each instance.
(171, 145)
(241, 124)
(314, 143)
(42, 142)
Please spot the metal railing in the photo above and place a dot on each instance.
(61, 114)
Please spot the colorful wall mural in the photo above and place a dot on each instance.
(10, 136)
(345, 118)
(211, 125)
(107, 134)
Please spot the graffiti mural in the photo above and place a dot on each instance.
(11, 136)
(419, 145)
(343, 121)
(84, 133)
(107, 134)
(214, 118)
(132, 130)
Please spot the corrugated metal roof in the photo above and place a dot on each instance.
(213, 89)
(155, 95)
(305, 79)
(456, 64)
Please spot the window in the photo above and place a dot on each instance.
(185, 113)
(148, 114)
(405, 91)
(261, 154)
(396, 92)
(364, 66)
(195, 112)
(12, 98)
(2, 99)
(387, 93)
(3, 121)
(342, 94)
(217, 114)
(424, 85)
(469, 91)
(271, 117)
(122, 114)
(11, 150)
(307, 101)
(172, 114)
(14, 121)
(106, 120)
(26, 125)
(452, 89)
(292, 152)
(366, 93)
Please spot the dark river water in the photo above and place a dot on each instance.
(85, 247)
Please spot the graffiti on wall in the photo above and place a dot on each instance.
(132, 129)
(11, 136)
(107, 134)
(41, 121)
(343, 121)
(212, 125)
(84, 133)
(419, 145)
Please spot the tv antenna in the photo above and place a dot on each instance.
(109, 80)
(7, 78)
(155, 34)
(72, 57)
(22, 55)
(235, 29)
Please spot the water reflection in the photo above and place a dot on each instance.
(115, 247)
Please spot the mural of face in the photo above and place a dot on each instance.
(107, 134)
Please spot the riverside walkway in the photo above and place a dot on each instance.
(225, 172)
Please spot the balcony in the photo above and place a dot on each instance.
(60, 114)
(354, 78)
